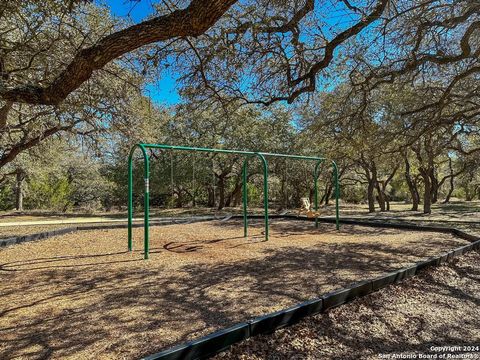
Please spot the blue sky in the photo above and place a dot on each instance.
(165, 90)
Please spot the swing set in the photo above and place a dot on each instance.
(247, 156)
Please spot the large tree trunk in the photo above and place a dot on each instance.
(451, 182)
(412, 186)
(371, 196)
(237, 196)
(234, 195)
(435, 187)
(211, 196)
(20, 177)
(450, 191)
(380, 196)
(328, 194)
(427, 195)
(179, 200)
(221, 192)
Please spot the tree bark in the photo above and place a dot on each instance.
(234, 195)
(451, 182)
(211, 196)
(328, 193)
(371, 196)
(380, 196)
(435, 187)
(427, 195)
(20, 177)
(221, 192)
(412, 187)
(450, 191)
(237, 196)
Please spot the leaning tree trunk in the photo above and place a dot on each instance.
(19, 190)
(450, 191)
(451, 182)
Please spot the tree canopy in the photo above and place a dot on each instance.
(389, 88)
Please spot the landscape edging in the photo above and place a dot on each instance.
(47, 234)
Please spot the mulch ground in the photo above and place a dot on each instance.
(440, 307)
(82, 295)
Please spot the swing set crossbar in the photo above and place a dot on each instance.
(262, 156)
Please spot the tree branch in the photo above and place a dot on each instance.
(194, 20)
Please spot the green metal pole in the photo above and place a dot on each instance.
(245, 197)
(146, 199)
(337, 195)
(315, 187)
(265, 194)
(146, 176)
(265, 191)
(130, 199)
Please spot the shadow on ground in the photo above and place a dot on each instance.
(114, 304)
(440, 307)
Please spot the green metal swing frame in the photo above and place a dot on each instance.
(262, 156)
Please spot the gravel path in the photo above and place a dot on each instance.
(82, 296)
(440, 307)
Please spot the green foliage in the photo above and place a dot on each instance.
(6, 197)
(353, 194)
(49, 192)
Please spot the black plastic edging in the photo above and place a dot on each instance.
(372, 223)
(36, 236)
(161, 222)
(212, 344)
(63, 231)
(205, 346)
(268, 323)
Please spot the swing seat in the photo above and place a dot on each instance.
(307, 209)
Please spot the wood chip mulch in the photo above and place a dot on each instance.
(83, 296)
(440, 307)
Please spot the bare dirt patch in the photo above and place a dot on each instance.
(82, 295)
(440, 307)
